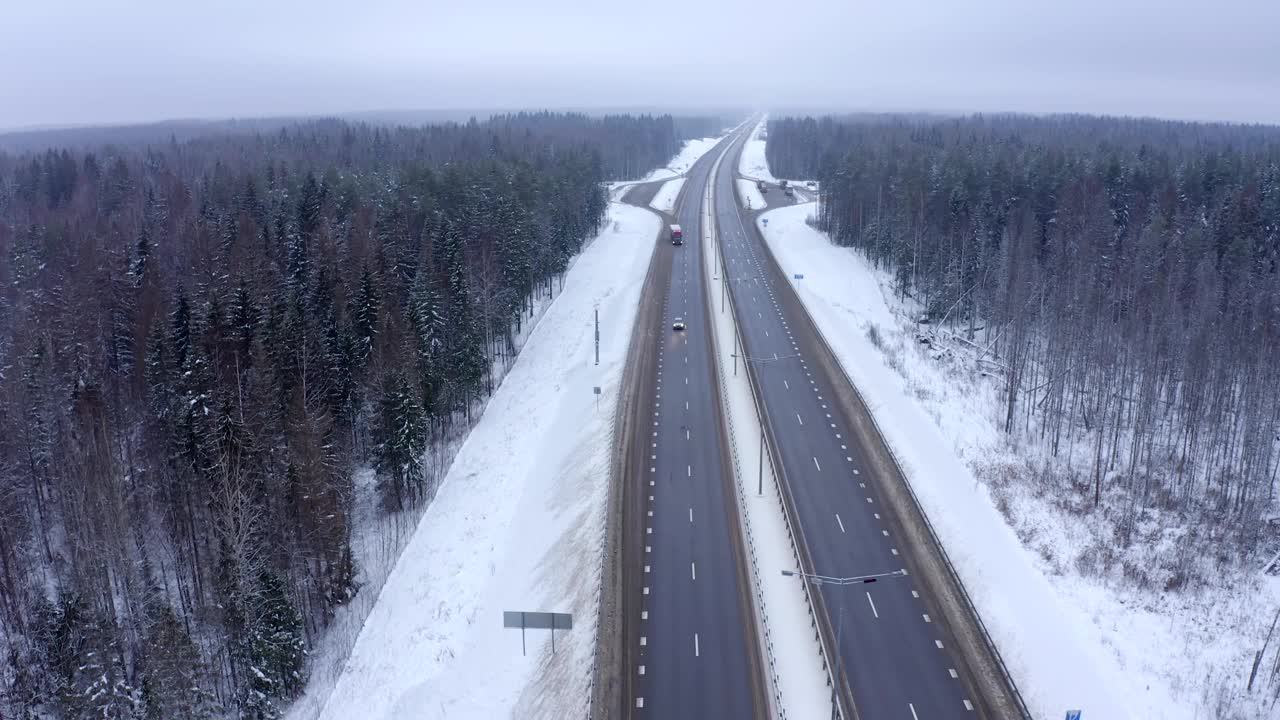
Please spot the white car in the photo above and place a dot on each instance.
(678, 325)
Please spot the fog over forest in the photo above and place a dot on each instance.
(142, 61)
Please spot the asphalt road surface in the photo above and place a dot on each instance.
(696, 653)
(896, 657)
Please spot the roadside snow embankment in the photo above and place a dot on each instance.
(1056, 650)
(518, 523)
(752, 163)
(665, 199)
(680, 164)
(750, 196)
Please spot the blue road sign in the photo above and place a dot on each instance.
(800, 276)
(1073, 715)
(765, 221)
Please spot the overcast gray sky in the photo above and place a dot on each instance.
(92, 61)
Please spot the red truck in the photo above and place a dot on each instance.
(677, 237)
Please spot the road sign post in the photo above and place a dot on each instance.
(537, 621)
(1073, 715)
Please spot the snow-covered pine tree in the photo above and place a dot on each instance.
(365, 308)
(276, 652)
(430, 333)
(173, 675)
(403, 438)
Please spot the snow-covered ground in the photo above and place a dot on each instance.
(680, 164)
(517, 525)
(617, 189)
(1072, 639)
(750, 196)
(752, 163)
(665, 198)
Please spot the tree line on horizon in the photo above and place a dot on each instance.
(1121, 277)
(202, 342)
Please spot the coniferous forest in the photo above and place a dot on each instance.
(1121, 277)
(202, 342)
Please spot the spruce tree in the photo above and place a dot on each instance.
(276, 652)
(466, 359)
(173, 684)
(403, 439)
(364, 316)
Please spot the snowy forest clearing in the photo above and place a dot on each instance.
(665, 199)
(1100, 644)
(523, 535)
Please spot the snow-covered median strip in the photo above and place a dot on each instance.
(680, 164)
(517, 525)
(752, 163)
(749, 195)
(1055, 651)
(665, 199)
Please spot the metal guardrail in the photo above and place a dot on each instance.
(933, 535)
(604, 561)
(778, 473)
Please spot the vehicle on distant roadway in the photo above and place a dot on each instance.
(677, 235)
(762, 186)
(783, 184)
(678, 325)
(789, 192)
(811, 185)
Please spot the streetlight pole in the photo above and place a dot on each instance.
(760, 488)
(840, 582)
(835, 705)
(735, 350)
